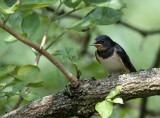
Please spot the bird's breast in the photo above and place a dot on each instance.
(112, 64)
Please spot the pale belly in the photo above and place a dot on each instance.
(113, 64)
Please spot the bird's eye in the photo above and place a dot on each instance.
(101, 41)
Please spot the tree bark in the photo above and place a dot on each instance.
(81, 101)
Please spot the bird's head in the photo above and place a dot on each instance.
(102, 42)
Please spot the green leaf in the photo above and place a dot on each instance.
(29, 97)
(84, 25)
(36, 85)
(116, 4)
(2, 84)
(115, 92)
(58, 52)
(98, 16)
(95, 1)
(74, 59)
(30, 74)
(10, 3)
(34, 4)
(6, 69)
(30, 24)
(8, 6)
(118, 100)
(10, 39)
(16, 18)
(19, 86)
(71, 4)
(104, 108)
(69, 51)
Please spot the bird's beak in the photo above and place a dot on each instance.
(93, 44)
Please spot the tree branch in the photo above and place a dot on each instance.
(143, 32)
(20, 99)
(71, 78)
(81, 101)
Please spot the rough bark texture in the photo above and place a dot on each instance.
(81, 101)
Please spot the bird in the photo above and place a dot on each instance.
(112, 56)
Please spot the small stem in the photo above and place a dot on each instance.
(59, 17)
(56, 11)
(6, 19)
(54, 41)
(11, 75)
(77, 70)
(70, 77)
(20, 99)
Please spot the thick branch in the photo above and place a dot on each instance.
(81, 101)
(70, 77)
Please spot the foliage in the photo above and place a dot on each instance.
(105, 107)
(29, 18)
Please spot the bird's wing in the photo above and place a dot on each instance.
(125, 59)
(96, 56)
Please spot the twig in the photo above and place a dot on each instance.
(54, 41)
(65, 14)
(153, 113)
(11, 75)
(6, 20)
(77, 70)
(144, 33)
(71, 78)
(85, 44)
(20, 99)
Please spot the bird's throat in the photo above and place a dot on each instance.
(100, 48)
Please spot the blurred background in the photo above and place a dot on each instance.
(134, 32)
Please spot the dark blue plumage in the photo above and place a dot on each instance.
(112, 56)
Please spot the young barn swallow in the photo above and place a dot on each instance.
(112, 56)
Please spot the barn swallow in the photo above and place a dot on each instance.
(112, 56)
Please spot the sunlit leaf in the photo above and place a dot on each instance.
(6, 69)
(118, 100)
(8, 6)
(2, 84)
(30, 74)
(71, 3)
(116, 4)
(10, 39)
(19, 86)
(115, 92)
(30, 24)
(33, 4)
(104, 108)
(98, 16)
